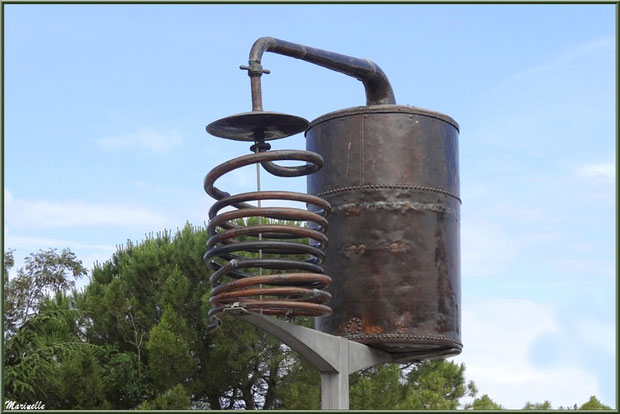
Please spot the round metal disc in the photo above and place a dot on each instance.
(253, 126)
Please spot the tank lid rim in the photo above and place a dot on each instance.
(381, 109)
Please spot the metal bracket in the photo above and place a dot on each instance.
(236, 309)
(334, 356)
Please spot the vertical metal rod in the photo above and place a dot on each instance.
(260, 221)
(257, 97)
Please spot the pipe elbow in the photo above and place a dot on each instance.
(377, 86)
(260, 46)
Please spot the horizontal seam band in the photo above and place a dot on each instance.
(389, 186)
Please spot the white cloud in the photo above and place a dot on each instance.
(497, 334)
(486, 249)
(244, 178)
(587, 266)
(562, 60)
(88, 253)
(602, 171)
(146, 139)
(26, 242)
(558, 107)
(596, 333)
(8, 197)
(21, 213)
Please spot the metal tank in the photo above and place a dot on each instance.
(391, 176)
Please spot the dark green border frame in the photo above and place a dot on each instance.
(189, 2)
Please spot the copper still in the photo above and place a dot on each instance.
(388, 176)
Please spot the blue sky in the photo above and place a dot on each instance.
(104, 140)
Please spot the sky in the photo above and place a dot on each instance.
(105, 108)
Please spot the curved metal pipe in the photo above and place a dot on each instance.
(378, 88)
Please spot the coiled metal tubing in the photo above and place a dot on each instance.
(297, 290)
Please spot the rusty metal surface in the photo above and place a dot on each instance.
(385, 109)
(391, 181)
(234, 248)
(391, 177)
(257, 126)
(281, 294)
(376, 84)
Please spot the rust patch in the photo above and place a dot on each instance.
(396, 246)
(371, 329)
(352, 210)
(353, 249)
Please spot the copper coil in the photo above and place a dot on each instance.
(298, 293)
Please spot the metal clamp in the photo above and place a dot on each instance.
(255, 69)
(236, 309)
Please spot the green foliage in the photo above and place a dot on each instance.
(45, 272)
(436, 385)
(300, 389)
(376, 388)
(137, 338)
(483, 403)
(150, 300)
(247, 366)
(44, 355)
(169, 351)
(146, 302)
(7, 263)
(594, 404)
(44, 360)
(537, 406)
(176, 398)
(123, 379)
